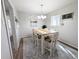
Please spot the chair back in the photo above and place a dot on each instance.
(51, 36)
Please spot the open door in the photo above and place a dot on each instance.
(10, 25)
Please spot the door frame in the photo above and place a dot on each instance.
(7, 31)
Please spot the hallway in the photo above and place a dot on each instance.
(62, 51)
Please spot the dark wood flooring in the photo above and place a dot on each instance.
(19, 54)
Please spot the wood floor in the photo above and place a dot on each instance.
(19, 54)
(27, 50)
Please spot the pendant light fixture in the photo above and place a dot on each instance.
(42, 16)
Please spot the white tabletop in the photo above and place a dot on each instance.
(44, 31)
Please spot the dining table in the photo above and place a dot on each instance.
(43, 32)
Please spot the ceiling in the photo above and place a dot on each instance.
(33, 6)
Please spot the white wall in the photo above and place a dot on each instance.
(67, 32)
(25, 25)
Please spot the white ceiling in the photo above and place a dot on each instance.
(33, 6)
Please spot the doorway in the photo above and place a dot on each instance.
(10, 25)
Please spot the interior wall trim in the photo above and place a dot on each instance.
(68, 45)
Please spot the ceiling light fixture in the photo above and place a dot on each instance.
(41, 16)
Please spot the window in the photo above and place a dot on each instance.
(55, 20)
(33, 24)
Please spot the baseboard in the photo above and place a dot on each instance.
(27, 37)
(68, 45)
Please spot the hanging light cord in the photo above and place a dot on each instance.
(42, 16)
(41, 9)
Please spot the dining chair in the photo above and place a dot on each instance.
(39, 43)
(50, 42)
(35, 37)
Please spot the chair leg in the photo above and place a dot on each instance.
(35, 42)
(51, 49)
(55, 45)
(50, 52)
(54, 48)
